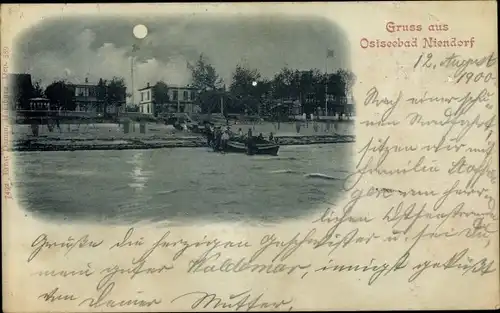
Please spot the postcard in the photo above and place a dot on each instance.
(249, 156)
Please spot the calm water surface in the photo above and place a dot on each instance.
(128, 186)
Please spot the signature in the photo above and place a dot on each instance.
(238, 301)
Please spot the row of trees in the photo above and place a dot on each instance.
(250, 92)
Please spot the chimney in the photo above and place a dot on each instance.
(147, 85)
(86, 80)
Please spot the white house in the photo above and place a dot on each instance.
(146, 103)
(181, 100)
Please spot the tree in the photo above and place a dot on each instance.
(102, 90)
(204, 76)
(242, 82)
(112, 92)
(341, 82)
(248, 88)
(21, 91)
(60, 95)
(37, 90)
(347, 79)
(116, 92)
(208, 101)
(309, 86)
(303, 85)
(263, 91)
(280, 84)
(160, 96)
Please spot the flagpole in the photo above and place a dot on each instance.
(326, 84)
(132, 57)
(132, 77)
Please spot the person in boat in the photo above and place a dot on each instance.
(218, 135)
(250, 141)
(240, 132)
(271, 137)
(260, 137)
(210, 135)
(224, 139)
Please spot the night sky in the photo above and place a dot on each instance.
(75, 48)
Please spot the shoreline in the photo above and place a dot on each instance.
(79, 144)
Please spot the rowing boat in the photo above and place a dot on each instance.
(260, 146)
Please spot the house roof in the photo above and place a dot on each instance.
(83, 84)
(182, 87)
(170, 86)
(144, 88)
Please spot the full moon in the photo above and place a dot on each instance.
(140, 31)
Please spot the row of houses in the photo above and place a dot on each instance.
(181, 99)
(86, 97)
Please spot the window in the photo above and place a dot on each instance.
(192, 95)
(82, 91)
(148, 108)
(185, 95)
(142, 96)
(175, 95)
(147, 95)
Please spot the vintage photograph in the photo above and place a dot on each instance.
(123, 120)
